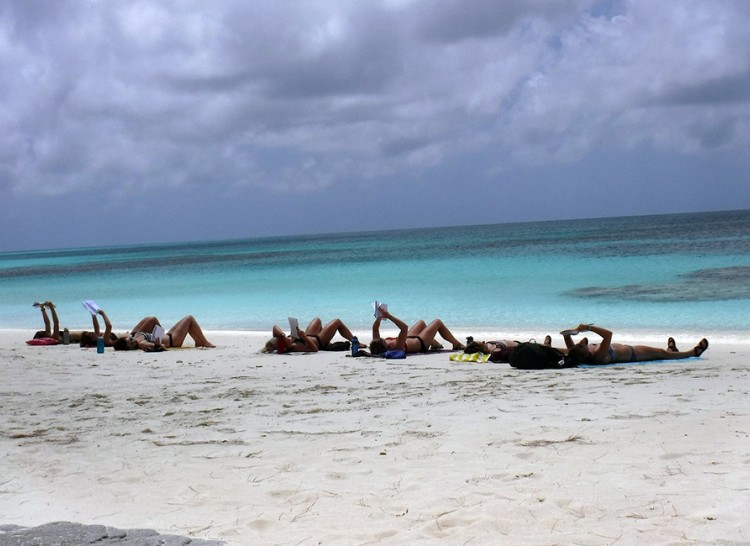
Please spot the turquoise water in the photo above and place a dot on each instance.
(673, 273)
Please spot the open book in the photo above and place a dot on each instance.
(376, 307)
(91, 307)
(158, 332)
(294, 327)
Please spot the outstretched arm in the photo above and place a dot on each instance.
(402, 327)
(107, 327)
(95, 322)
(376, 328)
(606, 336)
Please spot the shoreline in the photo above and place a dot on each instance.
(246, 448)
(684, 338)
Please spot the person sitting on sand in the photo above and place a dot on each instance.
(420, 338)
(141, 336)
(607, 352)
(312, 339)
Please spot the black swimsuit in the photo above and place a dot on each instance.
(422, 347)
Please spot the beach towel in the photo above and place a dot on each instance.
(42, 341)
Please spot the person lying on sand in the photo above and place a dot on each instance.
(142, 337)
(88, 339)
(420, 338)
(607, 352)
(312, 339)
(499, 350)
(51, 331)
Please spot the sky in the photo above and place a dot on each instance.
(147, 121)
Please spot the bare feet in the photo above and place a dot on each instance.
(38, 304)
(701, 347)
(672, 346)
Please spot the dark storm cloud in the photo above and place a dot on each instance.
(456, 20)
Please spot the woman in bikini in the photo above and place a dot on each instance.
(142, 337)
(607, 352)
(83, 337)
(51, 331)
(312, 339)
(420, 338)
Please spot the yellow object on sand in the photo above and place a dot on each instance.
(470, 357)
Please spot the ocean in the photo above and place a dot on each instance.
(645, 276)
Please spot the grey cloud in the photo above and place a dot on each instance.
(456, 20)
(313, 94)
(729, 89)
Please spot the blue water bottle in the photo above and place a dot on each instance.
(355, 345)
(100, 345)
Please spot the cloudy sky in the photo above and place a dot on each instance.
(149, 121)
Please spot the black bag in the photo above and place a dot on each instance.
(533, 356)
(501, 355)
(338, 346)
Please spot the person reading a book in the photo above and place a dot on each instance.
(88, 338)
(148, 336)
(420, 338)
(607, 352)
(82, 337)
(312, 339)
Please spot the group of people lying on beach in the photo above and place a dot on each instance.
(422, 338)
(141, 336)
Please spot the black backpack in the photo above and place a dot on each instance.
(533, 356)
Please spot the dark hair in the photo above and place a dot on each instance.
(121, 344)
(473, 347)
(41, 334)
(378, 346)
(88, 339)
(578, 354)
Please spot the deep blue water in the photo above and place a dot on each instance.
(649, 274)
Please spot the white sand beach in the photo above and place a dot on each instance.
(228, 444)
